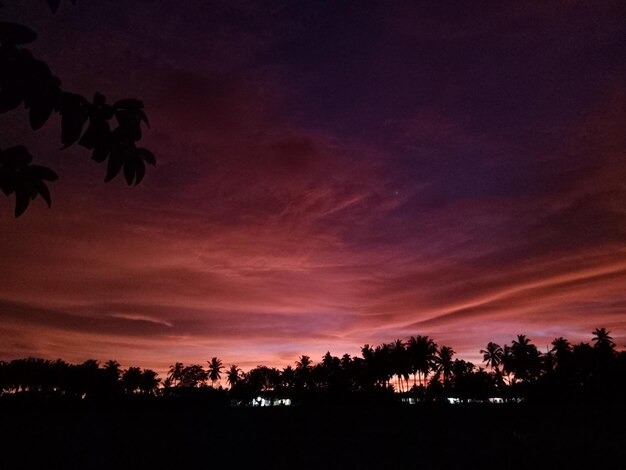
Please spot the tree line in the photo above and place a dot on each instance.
(417, 368)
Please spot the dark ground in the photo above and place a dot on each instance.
(169, 435)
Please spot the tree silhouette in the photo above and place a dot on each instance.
(149, 382)
(524, 359)
(303, 372)
(192, 376)
(562, 349)
(288, 378)
(109, 131)
(233, 375)
(400, 362)
(215, 370)
(175, 374)
(582, 372)
(492, 355)
(443, 363)
(131, 379)
(602, 339)
(421, 351)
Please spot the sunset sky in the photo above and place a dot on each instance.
(330, 174)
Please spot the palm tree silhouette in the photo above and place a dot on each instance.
(492, 355)
(400, 362)
(303, 371)
(288, 378)
(149, 383)
(215, 370)
(131, 379)
(233, 376)
(175, 374)
(602, 339)
(422, 351)
(562, 350)
(525, 359)
(444, 363)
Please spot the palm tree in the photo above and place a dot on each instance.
(175, 374)
(113, 369)
(602, 339)
(149, 382)
(422, 351)
(525, 359)
(193, 376)
(561, 346)
(303, 371)
(383, 369)
(233, 375)
(562, 350)
(288, 378)
(215, 370)
(444, 362)
(304, 363)
(492, 356)
(400, 362)
(131, 379)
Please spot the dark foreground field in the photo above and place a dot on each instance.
(169, 435)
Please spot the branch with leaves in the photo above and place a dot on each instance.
(109, 131)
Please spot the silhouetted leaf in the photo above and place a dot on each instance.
(54, 5)
(9, 100)
(144, 118)
(22, 199)
(97, 132)
(140, 171)
(13, 33)
(98, 99)
(39, 114)
(129, 171)
(114, 166)
(100, 153)
(129, 103)
(16, 156)
(147, 156)
(129, 124)
(42, 189)
(43, 173)
(74, 114)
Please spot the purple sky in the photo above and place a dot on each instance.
(329, 174)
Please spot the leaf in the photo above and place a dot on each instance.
(144, 118)
(13, 33)
(129, 171)
(43, 173)
(54, 5)
(74, 115)
(140, 171)
(100, 153)
(39, 114)
(21, 202)
(7, 185)
(129, 121)
(147, 156)
(16, 156)
(44, 191)
(98, 100)
(114, 166)
(96, 133)
(9, 100)
(128, 103)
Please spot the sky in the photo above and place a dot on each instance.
(329, 174)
